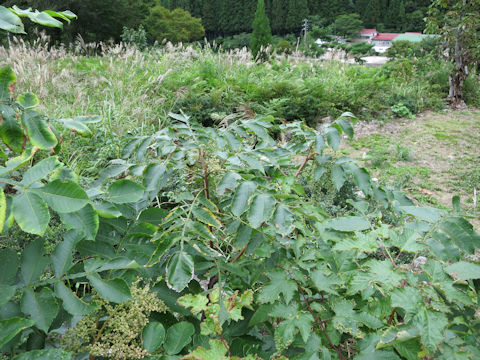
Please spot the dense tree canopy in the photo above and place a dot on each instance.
(103, 20)
(262, 35)
(176, 25)
(348, 25)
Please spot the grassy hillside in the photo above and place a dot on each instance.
(432, 157)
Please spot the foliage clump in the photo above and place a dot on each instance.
(262, 34)
(114, 330)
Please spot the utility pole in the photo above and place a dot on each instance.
(305, 29)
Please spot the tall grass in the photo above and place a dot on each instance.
(134, 91)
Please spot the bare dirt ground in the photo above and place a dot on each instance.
(432, 157)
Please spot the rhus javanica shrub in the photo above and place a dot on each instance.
(237, 262)
(240, 263)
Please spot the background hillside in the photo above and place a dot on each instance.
(103, 20)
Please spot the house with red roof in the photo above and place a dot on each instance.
(366, 35)
(383, 41)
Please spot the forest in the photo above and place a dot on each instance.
(168, 197)
(102, 20)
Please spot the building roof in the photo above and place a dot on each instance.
(368, 31)
(413, 37)
(386, 36)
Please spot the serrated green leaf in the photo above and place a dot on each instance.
(42, 307)
(33, 262)
(427, 214)
(349, 223)
(125, 191)
(333, 138)
(409, 299)
(242, 197)
(462, 233)
(197, 302)
(464, 270)
(30, 213)
(47, 354)
(71, 302)
(180, 270)
(206, 216)
(115, 290)
(217, 351)
(27, 100)
(9, 328)
(325, 283)
(39, 133)
(283, 219)
(228, 183)
(260, 210)
(432, 325)
(6, 293)
(85, 221)
(63, 197)
(279, 284)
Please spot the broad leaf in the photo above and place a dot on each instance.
(3, 209)
(31, 213)
(71, 302)
(228, 183)
(8, 266)
(33, 262)
(41, 306)
(11, 23)
(63, 255)
(41, 170)
(283, 219)
(28, 100)
(63, 197)
(217, 351)
(180, 271)
(153, 335)
(279, 284)
(333, 138)
(9, 328)
(39, 133)
(432, 325)
(47, 354)
(242, 196)
(124, 191)
(261, 210)
(349, 223)
(178, 336)
(464, 270)
(85, 220)
(115, 290)
(10, 131)
(6, 293)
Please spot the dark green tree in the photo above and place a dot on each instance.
(279, 15)
(373, 13)
(262, 34)
(296, 12)
(348, 25)
(176, 26)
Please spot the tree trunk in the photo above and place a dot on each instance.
(458, 75)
